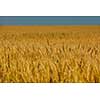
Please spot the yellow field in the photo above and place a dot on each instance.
(50, 54)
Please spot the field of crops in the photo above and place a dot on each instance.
(50, 56)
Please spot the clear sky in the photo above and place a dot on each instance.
(49, 20)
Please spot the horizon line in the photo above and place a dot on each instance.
(49, 20)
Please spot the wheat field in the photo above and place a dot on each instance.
(50, 55)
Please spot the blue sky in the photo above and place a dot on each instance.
(49, 20)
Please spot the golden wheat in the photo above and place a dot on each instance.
(50, 57)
